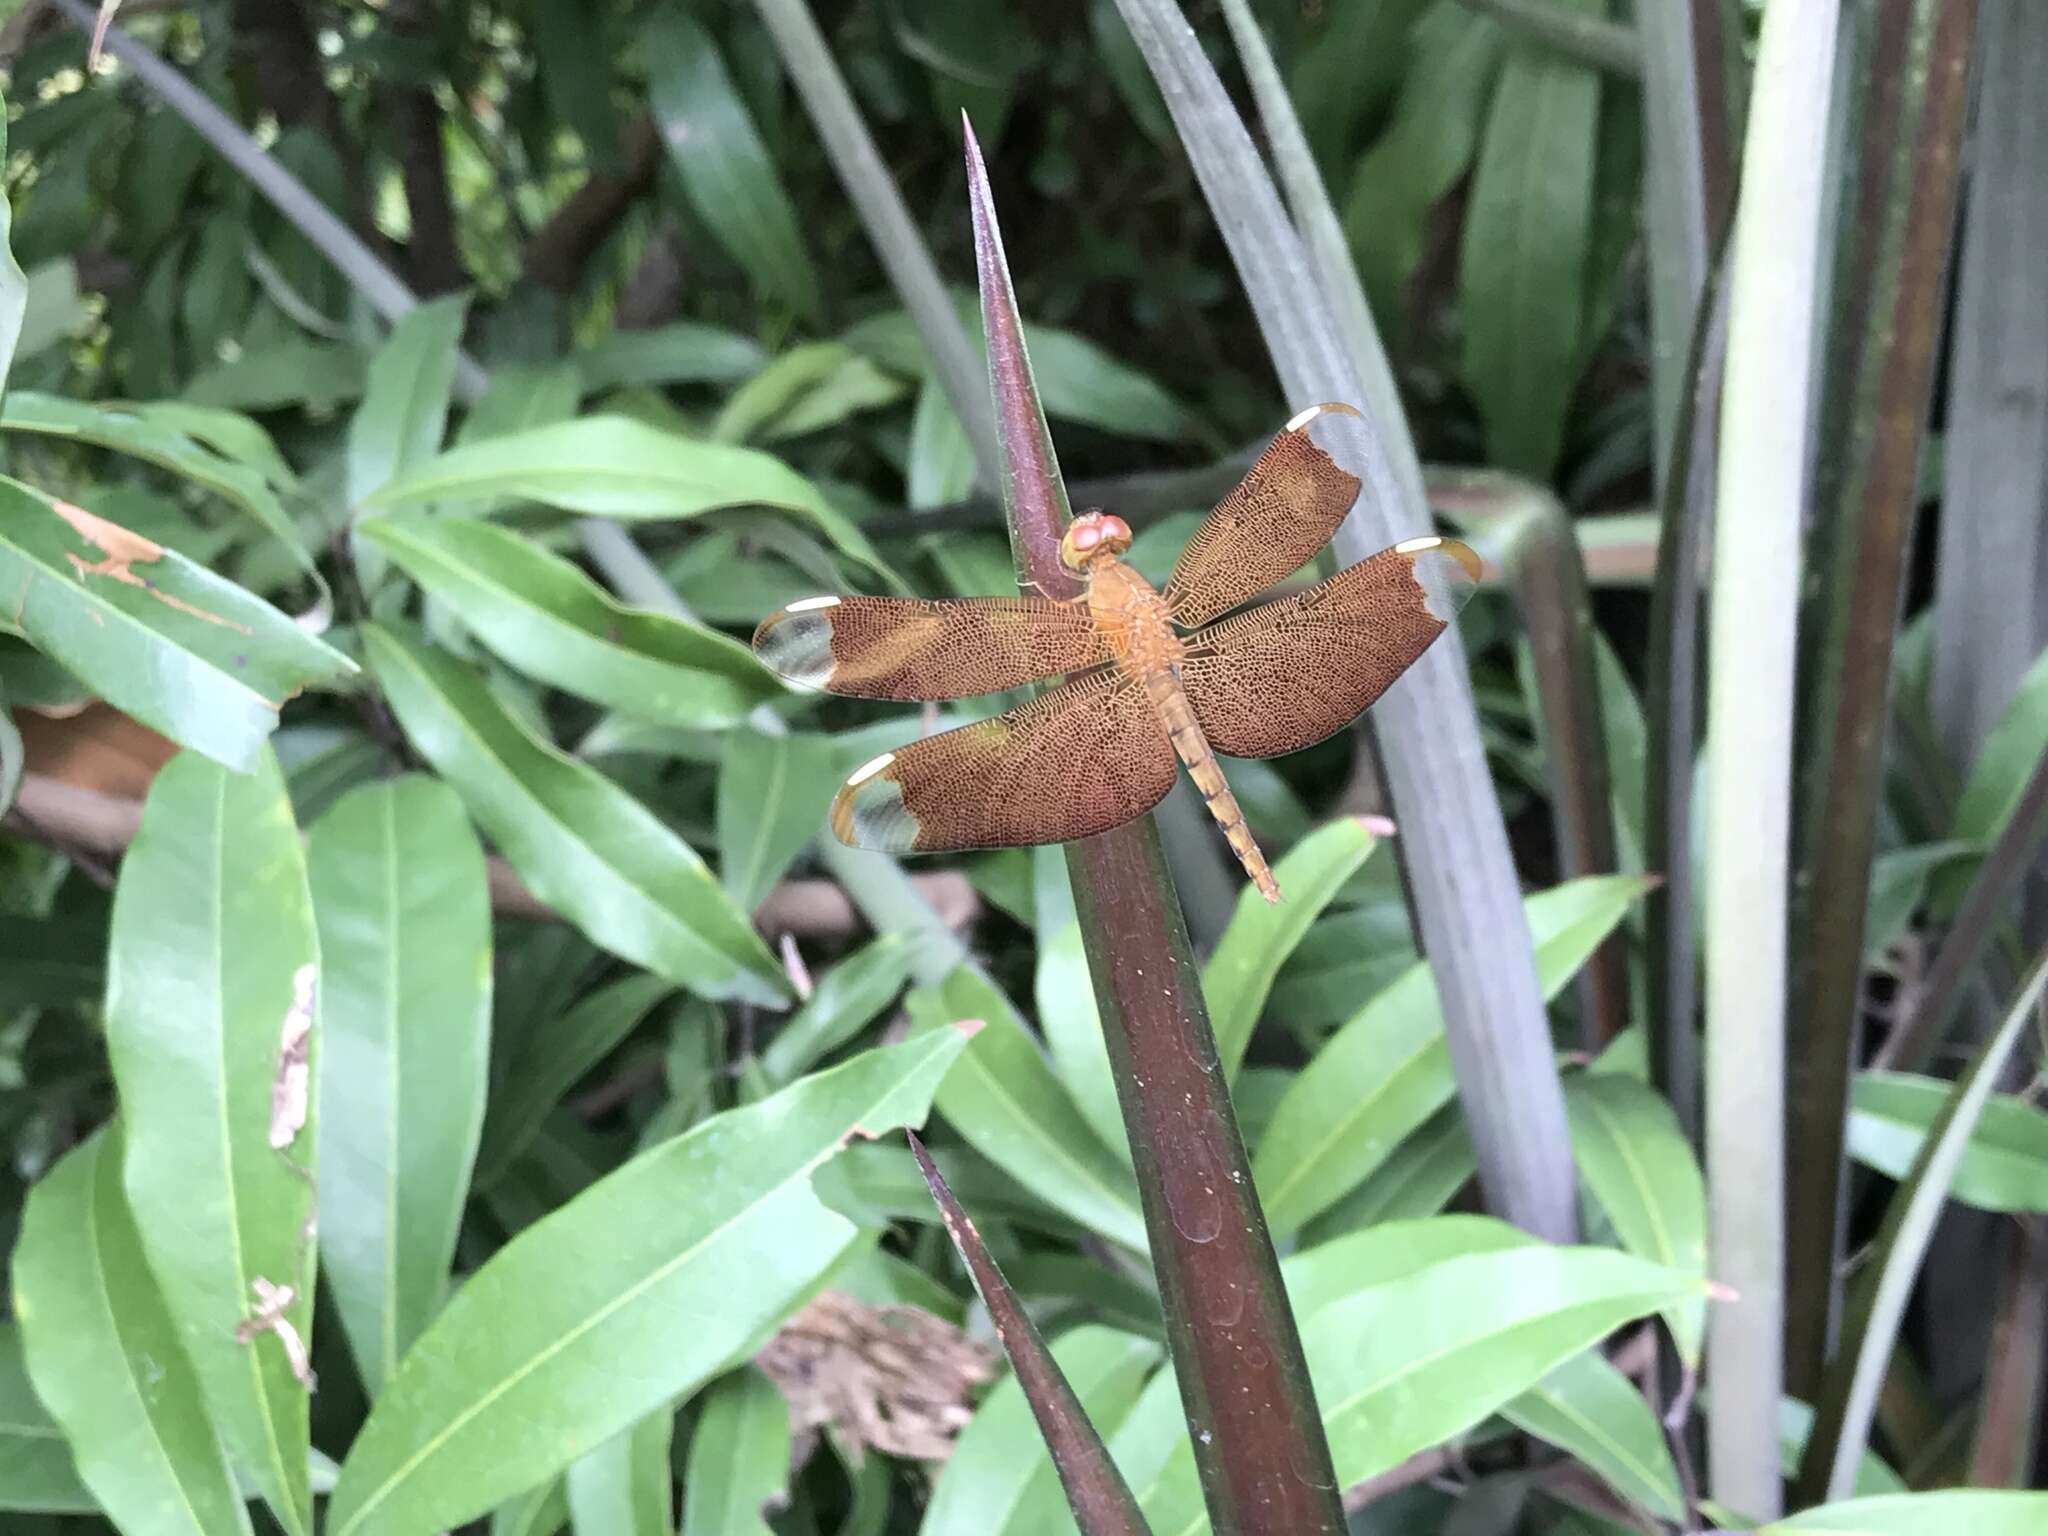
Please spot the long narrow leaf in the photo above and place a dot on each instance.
(211, 994)
(405, 952)
(679, 1262)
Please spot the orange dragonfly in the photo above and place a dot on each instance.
(1270, 680)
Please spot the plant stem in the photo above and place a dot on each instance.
(1749, 735)
(1603, 44)
(1889, 305)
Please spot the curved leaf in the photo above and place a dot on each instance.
(13, 281)
(773, 791)
(1587, 1408)
(631, 1295)
(724, 166)
(210, 976)
(1637, 1163)
(105, 1356)
(1981, 1512)
(2004, 1166)
(37, 1470)
(1262, 934)
(615, 466)
(1418, 1179)
(1998, 777)
(582, 844)
(404, 411)
(623, 1487)
(404, 916)
(1387, 1070)
(548, 619)
(155, 634)
(847, 999)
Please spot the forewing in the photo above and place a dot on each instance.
(1281, 513)
(1089, 755)
(1283, 675)
(903, 648)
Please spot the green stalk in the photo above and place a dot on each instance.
(1842, 1416)
(1674, 209)
(1453, 844)
(1671, 707)
(1524, 529)
(1887, 316)
(1749, 735)
(1258, 1441)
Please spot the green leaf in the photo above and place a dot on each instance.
(400, 897)
(1795, 1427)
(999, 1480)
(106, 1358)
(739, 1458)
(1331, 1272)
(2004, 1166)
(683, 352)
(13, 282)
(1999, 775)
(225, 432)
(1528, 234)
(725, 168)
(1388, 1070)
(1414, 1361)
(1979, 1511)
(146, 435)
(1426, 150)
(1637, 1163)
(1899, 882)
(583, 845)
(556, 1060)
(847, 999)
(540, 1511)
(1081, 382)
(569, 48)
(772, 796)
(155, 634)
(1065, 994)
(286, 373)
(638, 1290)
(1418, 1178)
(806, 389)
(405, 402)
(1262, 934)
(545, 617)
(615, 466)
(1009, 1107)
(941, 467)
(211, 970)
(622, 1488)
(37, 1471)
(1589, 1409)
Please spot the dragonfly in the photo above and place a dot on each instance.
(1155, 678)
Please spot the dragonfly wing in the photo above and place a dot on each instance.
(1286, 674)
(1281, 513)
(904, 648)
(1086, 756)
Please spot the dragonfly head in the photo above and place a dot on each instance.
(1092, 536)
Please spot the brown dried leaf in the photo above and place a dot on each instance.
(125, 550)
(288, 1087)
(894, 1378)
(271, 1301)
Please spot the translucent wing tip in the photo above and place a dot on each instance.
(868, 811)
(796, 642)
(1447, 570)
(1327, 408)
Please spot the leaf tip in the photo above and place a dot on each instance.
(969, 1028)
(1376, 826)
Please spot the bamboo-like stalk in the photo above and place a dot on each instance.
(1674, 210)
(1759, 506)
(904, 256)
(1524, 528)
(1887, 315)
(1453, 844)
(1843, 1411)
(2009, 1407)
(1258, 1442)
(1096, 1491)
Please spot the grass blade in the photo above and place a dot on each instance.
(1889, 305)
(1848, 1400)
(1453, 843)
(1096, 1491)
(1749, 733)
